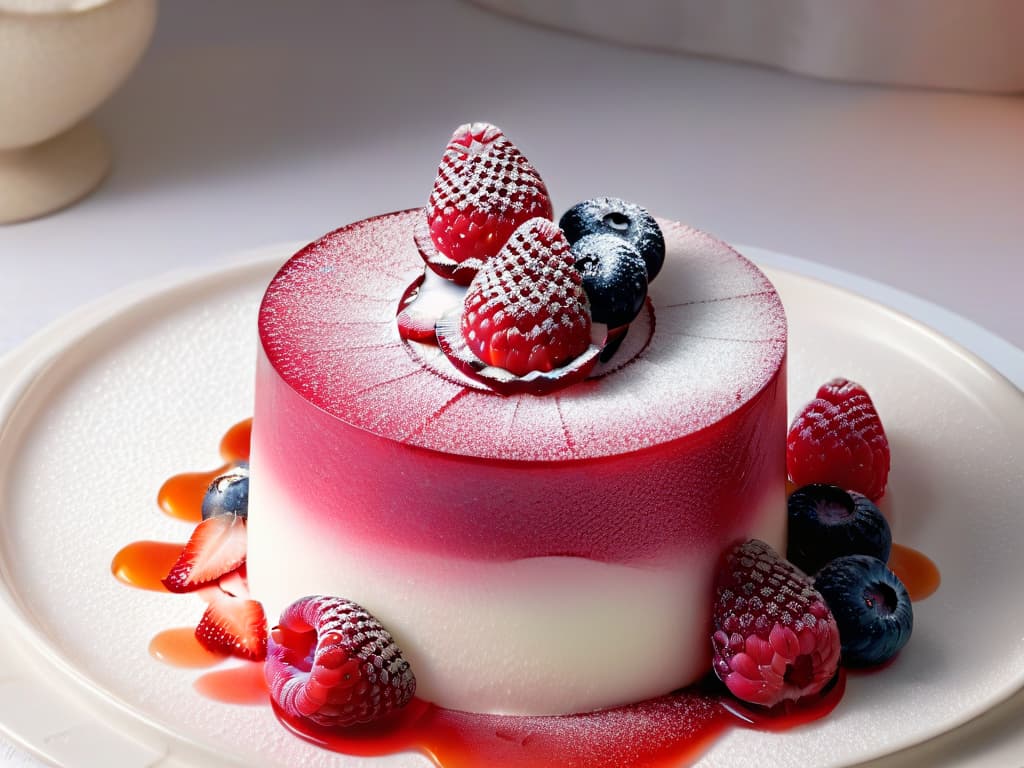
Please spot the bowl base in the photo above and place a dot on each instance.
(46, 177)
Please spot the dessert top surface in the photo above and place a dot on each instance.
(327, 325)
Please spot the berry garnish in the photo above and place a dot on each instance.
(485, 188)
(774, 638)
(216, 548)
(332, 663)
(614, 277)
(415, 325)
(838, 439)
(826, 522)
(871, 606)
(526, 310)
(229, 493)
(628, 221)
(234, 625)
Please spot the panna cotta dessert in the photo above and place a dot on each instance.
(514, 493)
(536, 512)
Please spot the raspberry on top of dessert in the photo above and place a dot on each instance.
(485, 188)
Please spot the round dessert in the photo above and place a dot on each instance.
(530, 554)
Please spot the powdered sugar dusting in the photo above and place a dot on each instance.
(528, 303)
(484, 189)
(720, 339)
(482, 170)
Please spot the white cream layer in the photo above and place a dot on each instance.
(547, 635)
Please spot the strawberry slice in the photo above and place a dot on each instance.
(217, 547)
(234, 625)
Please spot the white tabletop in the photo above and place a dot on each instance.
(259, 122)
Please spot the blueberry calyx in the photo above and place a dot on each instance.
(228, 494)
(612, 216)
(616, 220)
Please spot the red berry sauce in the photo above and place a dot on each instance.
(917, 572)
(666, 732)
(672, 730)
(181, 496)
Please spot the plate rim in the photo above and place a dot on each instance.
(29, 361)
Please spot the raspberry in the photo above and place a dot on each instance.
(526, 310)
(332, 663)
(838, 439)
(774, 637)
(485, 188)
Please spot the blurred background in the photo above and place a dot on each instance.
(252, 123)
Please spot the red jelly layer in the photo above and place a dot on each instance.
(676, 451)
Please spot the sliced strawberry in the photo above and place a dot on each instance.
(234, 625)
(217, 547)
(235, 583)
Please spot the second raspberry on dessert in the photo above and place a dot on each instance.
(526, 309)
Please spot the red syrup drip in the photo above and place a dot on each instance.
(234, 446)
(673, 730)
(181, 496)
(142, 564)
(235, 685)
(917, 572)
(178, 647)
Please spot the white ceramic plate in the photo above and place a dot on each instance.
(98, 410)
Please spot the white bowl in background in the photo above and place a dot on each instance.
(59, 60)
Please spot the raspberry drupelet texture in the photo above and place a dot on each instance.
(774, 637)
(484, 189)
(332, 663)
(526, 310)
(838, 439)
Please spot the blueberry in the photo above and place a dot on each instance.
(229, 493)
(826, 522)
(614, 277)
(871, 607)
(611, 216)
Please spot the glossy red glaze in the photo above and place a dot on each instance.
(637, 465)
